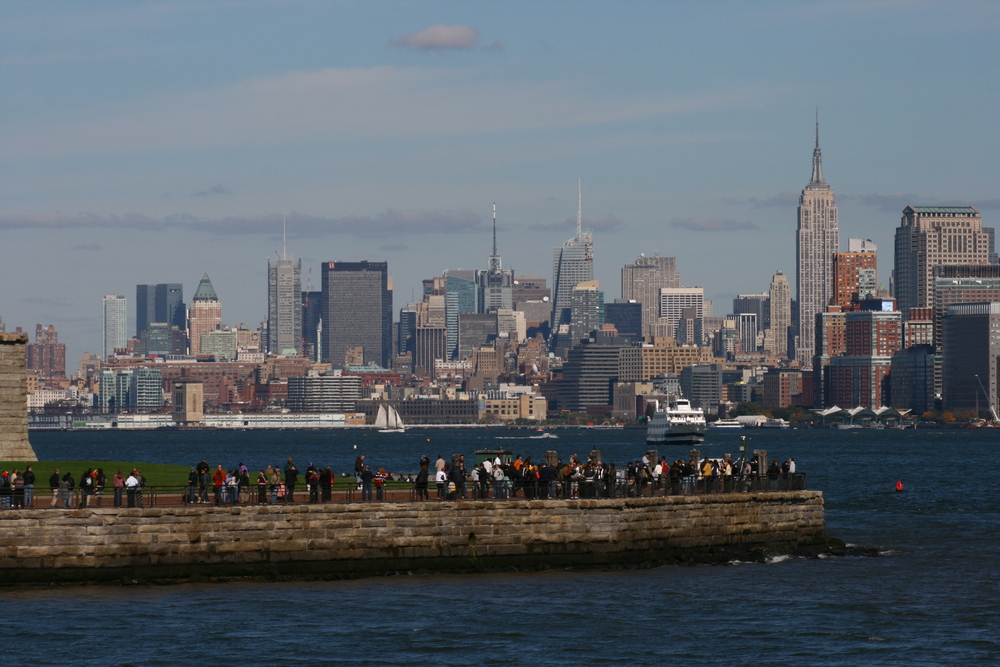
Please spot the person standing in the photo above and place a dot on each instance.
(192, 492)
(261, 488)
(86, 487)
(100, 481)
(274, 480)
(366, 483)
(29, 487)
(326, 484)
(291, 478)
(421, 483)
(118, 484)
(218, 482)
(131, 488)
(359, 467)
(54, 487)
(379, 479)
(66, 489)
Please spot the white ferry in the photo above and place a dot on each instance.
(678, 424)
(726, 423)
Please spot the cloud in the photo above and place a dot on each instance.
(780, 200)
(496, 47)
(710, 224)
(378, 104)
(217, 190)
(391, 222)
(601, 223)
(439, 36)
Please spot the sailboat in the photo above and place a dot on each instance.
(388, 420)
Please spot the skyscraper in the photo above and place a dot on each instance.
(929, 236)
(115, 323)
(162, 303)
(284, 305)
(204, 314)
(573, 263)
(47, 355)
(357, 311)
(817, 238)
(673, 301)
(642, 282)
(495, 285)
(780, 297)
(460, 297)
(855, 273)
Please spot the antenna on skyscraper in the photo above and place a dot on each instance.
(579, 207)
(817, 127)
(494, 228)
(284, 229)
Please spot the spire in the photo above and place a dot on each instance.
(579, 207)
(284, 232)
(495, 263)
(817, 176)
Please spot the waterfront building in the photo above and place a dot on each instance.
(357, 311)
(817, 238)
(572, 264)
(930, 236)
(115, 324)
(642, 282)
(912, 378)
(332, 392)
(163, 302)
(780, 306)
(284, 305)
(861, 375)
(188, 399)
(204, 313)
(782, 387)
(970, 348)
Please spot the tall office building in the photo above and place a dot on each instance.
(970, 350)
(284, 305)
(162, 303)
(572, 264)
(312, 315)
(642, 282)
(780, 299)
(459, 297)
(855, 274)
(204, 313)
(929, 236)
(673, 301)
(47, 356)
(747, 326)
(115, 323)
(817, 238)
(357, 311)
(495, 285)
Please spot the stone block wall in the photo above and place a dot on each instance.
(14, 445)
(355, 539)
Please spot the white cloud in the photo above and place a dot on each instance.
(439, 36)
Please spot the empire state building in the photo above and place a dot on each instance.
(817, 238)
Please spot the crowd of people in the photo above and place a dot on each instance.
(494, 478)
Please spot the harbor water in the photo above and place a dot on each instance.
(930, 597)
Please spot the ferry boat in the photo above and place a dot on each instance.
(726, 423)
(677, 424)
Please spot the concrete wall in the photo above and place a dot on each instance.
(14, 445)
(354, 539)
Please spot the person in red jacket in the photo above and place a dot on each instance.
(218, 480)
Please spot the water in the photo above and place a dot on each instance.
(931, 598)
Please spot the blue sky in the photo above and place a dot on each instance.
(153, 142)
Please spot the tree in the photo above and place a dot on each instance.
(747, 408)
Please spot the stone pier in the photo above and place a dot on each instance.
(14, 445)
(357, 539)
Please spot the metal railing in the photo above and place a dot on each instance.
(351, 492)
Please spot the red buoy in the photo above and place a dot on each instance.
(899, 485)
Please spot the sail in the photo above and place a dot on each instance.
(397, 420)
(381, 420)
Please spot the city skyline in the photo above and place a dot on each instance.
(391, 142)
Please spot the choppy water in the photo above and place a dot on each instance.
(933, 598)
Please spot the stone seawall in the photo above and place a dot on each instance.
(372, 538)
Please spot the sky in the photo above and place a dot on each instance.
(152, 142)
